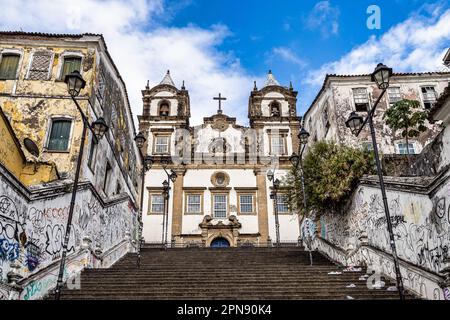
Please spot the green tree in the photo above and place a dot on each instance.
(331, 173)
(405, 115)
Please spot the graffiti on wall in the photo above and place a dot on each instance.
(422, 234)
(32, 234)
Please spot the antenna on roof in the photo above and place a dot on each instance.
(254, 86)
(148, 85)
(182, 86)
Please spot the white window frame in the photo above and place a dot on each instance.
(251, 195)
(433, 101)
(188, 203)
(49, 131)
(282, 204)
(214, 195)
(390, 94)
(18, 52)
(279, 137)
(358, 96)
(411, 143)
(155, 143)
(69, 54)
(151, 203)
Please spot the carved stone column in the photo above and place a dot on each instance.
(177, 208)
(263, 216)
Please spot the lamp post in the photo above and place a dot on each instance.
(171, 177)
(297, 160)
(147, 163)
(75, 83)
(356, 124)
(274, 197)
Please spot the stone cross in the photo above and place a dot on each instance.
(220, 98)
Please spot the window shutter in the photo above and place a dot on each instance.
(70, 65)
(40, 66)
(8, 66)
(59, 136)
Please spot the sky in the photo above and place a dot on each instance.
(224, 45)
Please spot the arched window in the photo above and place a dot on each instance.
(275, 109)
(164, 109)
(218, 145)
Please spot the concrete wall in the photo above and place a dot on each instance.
(421, 222)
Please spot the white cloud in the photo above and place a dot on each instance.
(324, 17)
(143, 49)
(287, 55)
(416, 44)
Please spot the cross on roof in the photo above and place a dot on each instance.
(220, 98)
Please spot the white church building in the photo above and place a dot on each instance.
(222, 194)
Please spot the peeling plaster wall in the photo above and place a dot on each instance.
(31, 104)
(338, 94)
(32, 232)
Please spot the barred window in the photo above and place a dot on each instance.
(194, 203)
(246, 203)
(157, 203)
(282, 204)
(40, 66)
(394, 95)
(220, 206)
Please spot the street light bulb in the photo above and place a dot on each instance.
(140, 140)
(294, 159)
(75, 83)
(381, 76)
(173, 176)
(354, 122)
(165, 184)
(99, 127)
(270, 175)
(148, 162)
(303, 136)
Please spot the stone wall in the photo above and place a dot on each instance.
(33, 222)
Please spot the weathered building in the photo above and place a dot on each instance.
(35, 189)
(342, 94)
(222, 193)
(34, 97)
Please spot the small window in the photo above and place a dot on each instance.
(394, 95)
(220, 205)
(8, 66)
(361, 99)
(40, 66)
(156, 203)
(429, 97)
(368, 146)
(275, 109)
(92, 155)
(278, 146)
(59, 135)
(70, 65)
(326, 120)
(194, 204)
(246, 203)
(401, 146)
(282, 204)
(164, 109)
(162, 144)
(107, 177)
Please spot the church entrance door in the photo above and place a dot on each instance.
(220, 243)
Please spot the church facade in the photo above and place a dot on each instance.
(222, 194)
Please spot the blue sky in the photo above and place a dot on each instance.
(222, 46)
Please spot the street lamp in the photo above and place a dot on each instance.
(75, 83)
(273, 196)
(381, 77)
(147, 163)
(171, 177)
(296, 161)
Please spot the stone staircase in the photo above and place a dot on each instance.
(231, 273)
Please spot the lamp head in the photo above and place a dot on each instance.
(381, 76)
(354, 122)
(99, 127)
(75, 83)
